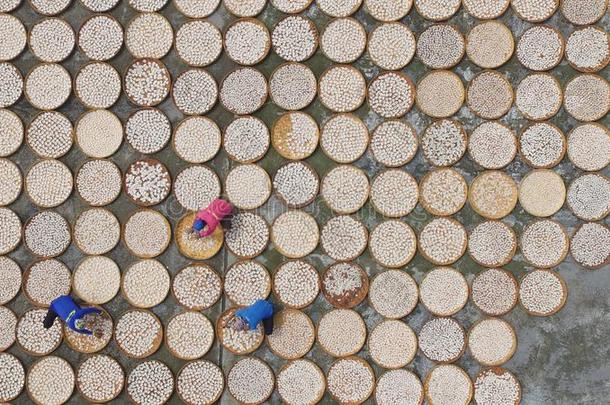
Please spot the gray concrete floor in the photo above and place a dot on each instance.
(563, 359)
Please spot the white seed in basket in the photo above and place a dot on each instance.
(200, 382)
(435, 10)
(50, 7)
(351, 380)
(296, 183)
(443, 192)
(295, 38)
(13, 37)
(47, 280)
(246, 139)
(338, 8)
(248, 186)
(146, 283)
(442, 340)
(245, 8)
(342, 88)
(250, 381)
(344, 138)
(492, 243)
(48, 86)
(196, 187)
(146, 6)
(100, 378)
(8, 325)
(440, 94)
(50, 134)
(52, 40)
(344, 238)
(391, 46)
(538, 96)
(394, 193)
(10, 182)
(292, 86)
(99, 6)
(391, 94)
(189, 335)
(137, 333)
(542, 145)
(10, 231)
(149, 35)
(492, 145)
(195, 92)
(247, 235)
(197, 8)
(542, 193)
(494, 291)
(99, 133)
(440, 46)
(295, 135)
(246, 282)
(540, 48)
(47, 234)
(587, 97)
(147, 82)
(442, 241)
(197, 287)
(150, 383)
(588, 49)
(341, 332)
(148, 130)
(291, 6)
(583, 12)
(98, 182)
(50, 380)
(444, 291)
(542, 292)
(293, 334)
(96, 231)
(388, 10)
(393, 294)
(589, 197)
(301, 382)
(243, 91)
(344, 284)
(147, 182)
(345, 189)
(295, 234)
(10, 279)
(493, 194)
(238, 341)
(198, 43)
(544, 243)
(296, 283)
(197, 139)
(343, 40)
(147, 233)
(392, 243)
(100, 37)
(394, 143)
(589, 147)
(534, 10)
(33, 337)
(490, 44)
(496, 386)
(48, 183)
(96, 279)
(97, 85)
(486, 9)
(399, 387)
(9, 5)
(492, 341)
(444, 142)
(490, 95)
(590, 245)
(11, 84)
(392, 344)
(448, 384)
(247, 41)
(12, 127)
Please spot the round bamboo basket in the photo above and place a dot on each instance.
(405, 359)
(429, 399)
(360, 251)
(355, 349)
(116, 392)
(168, 229)
(599, 266)
(86, 20)
(304, 305)
(550, 114)
(406, 260)
(349, 299)
(139, 305)
(499, 371)
(451, 260)
(213, 400)
(367, 366)
(239, 204)
(184, 226)
(420, 399)
(319, 394)
(359, 122)
(232, 298)
(27, 193)
(177, 128)
(21, 93)
(222, 318)
(601, 64)
(509, 203)
(155, 344)
(454, 310)
(191, 63)
(173, 381)
(167, 76)
(173, 352)
(286, 107)
(406, 312)
(539, 19)
(256, 158)
(258, 252)
(38, 354)
(78, 94)
(283, 251)
(412, 93)
(499, 113)
(250, 20)
(26, 276)
(359, 204)
(462, 44)
(362, 33)
(415, 140)
(403, 212)
(495, 167)
(516, 297)
(559, 58)
(3, 111)
(63, 23)
(24, 227)
(76, 137)
(166, 176)
(267, 394)
(87, 298)
(437, 114)
(575, 212)
(279, 320)
(27, 138)
(313, 29)
(58, 104)
(424, 201)
(93, 203)
(559, 307)
(454, 358)
(151, 109)
(128, 26)
(309, 201)
(216, 297)
(282, 129)
(553, 163)
(27, 378)
(261, 102)
(508, 258)
(502, 27)
(355, 105)
(173, 96)
(570, 18)
(506, 358)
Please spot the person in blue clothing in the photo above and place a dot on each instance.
(65, 308)
(250, 317)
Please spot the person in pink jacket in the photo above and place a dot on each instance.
(207, 220)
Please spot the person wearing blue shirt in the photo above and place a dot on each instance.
(65, 308)
(250, 317)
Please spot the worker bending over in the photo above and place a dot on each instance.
(71, 313)
(207, 220)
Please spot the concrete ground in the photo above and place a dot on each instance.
(564, 359)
